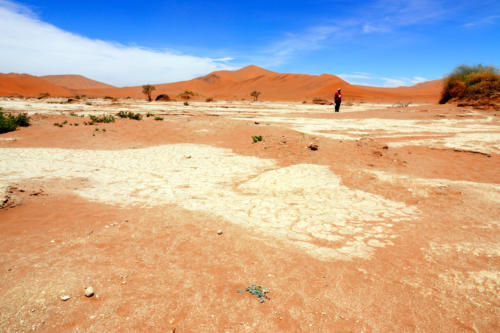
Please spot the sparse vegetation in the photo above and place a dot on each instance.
(258, 291)
(255, 94)
(9, 123)
(130, 115)
(158, 118)
(88, 103)
(476, 84)
(105, 118)
(162, 97)
(257, 138)
(186, 103)
(149, 114)
(147, 89)
(187, 94)
(321, 101)
(401, 105)
(210, 99)
(58, 125)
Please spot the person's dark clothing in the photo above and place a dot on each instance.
(338, 100)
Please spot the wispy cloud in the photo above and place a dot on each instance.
(29, 45)
(492, 19)
(311, 39)
(375, 17)
(381, 81)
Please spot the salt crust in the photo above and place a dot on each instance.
(303, 204)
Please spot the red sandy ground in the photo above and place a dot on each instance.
(166, 268)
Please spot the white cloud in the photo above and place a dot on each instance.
(484, 21)
(31, 46)
(370, 28)
(356, 75)
(367, 79)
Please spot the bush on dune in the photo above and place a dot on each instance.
(479, 84)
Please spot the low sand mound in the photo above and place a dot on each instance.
(303, 204)
(30, 86)
(75, 82)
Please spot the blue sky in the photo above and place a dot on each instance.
(379, 42)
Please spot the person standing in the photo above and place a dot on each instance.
(338, 100)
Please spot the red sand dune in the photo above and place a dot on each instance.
(27, 85)
(75, 82)
(236, 85)
(280, 87)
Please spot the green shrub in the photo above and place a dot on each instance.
(22, 120)
(158, 118)
(130, 115)
(186, 104)
(102, 119)
(471, 83)
(149, 114)
(257, 138)
(258, 291)
(187, 94)
(9, 123)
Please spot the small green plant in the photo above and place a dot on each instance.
(102, 119)
(149, 114)
(130, 115)
(73, 114)
(158, 118)
(97, 129)
(65, 122)
(88, 103)
(9, 123)
(210, 99)
(104, 130)
(186, 104)
(76, 124)
(257, 138)
(58, 125)
(258, 291)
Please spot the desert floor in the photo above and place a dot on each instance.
(392, 224)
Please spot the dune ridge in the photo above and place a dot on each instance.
(238, 84)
